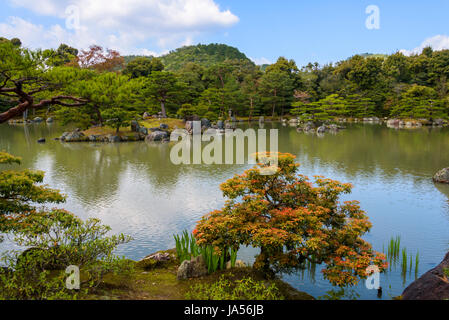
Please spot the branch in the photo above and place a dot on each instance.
(17, 111)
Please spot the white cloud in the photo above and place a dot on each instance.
(438, 42)
(261, 61)
(119, 24)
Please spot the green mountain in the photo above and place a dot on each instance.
(204, 55)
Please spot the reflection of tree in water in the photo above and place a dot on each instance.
(365, 149)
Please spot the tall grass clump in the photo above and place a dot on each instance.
(397, 255)
(187, 248)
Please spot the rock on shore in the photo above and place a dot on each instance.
(442, 176)
(433, 285)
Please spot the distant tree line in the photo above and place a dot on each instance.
(97, 85)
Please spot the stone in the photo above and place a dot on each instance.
(205, 123)
(442, 176)
(157, 136)
(146, 115)
(433, 285)
(93, 138)
(135, 127)
(143, 131)
(238, 264)
(155, 260)
(321, 129)
(189, 127)
(114, 139)
(195, 268)
(74, 136)
(38, 120)
(163, 126)
(439, 122)
(41, 140)
(50, 120)
(393, 123)
(261, 119)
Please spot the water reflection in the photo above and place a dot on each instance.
(135, 188)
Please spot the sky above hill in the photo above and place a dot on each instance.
(306, 31)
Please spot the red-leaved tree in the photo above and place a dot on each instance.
(293, 222)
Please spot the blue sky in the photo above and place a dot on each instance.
(306, 31)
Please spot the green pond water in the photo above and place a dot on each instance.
(135, 189)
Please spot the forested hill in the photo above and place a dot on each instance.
(204, 55)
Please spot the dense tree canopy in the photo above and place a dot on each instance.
(215, 79)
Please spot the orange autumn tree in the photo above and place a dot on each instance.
(293, 222)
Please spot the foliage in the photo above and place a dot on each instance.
(245, 289)
(56, 238)
(21, 196)
(117, 117)
(216, 79)
(187, 248)
(205, 55)
(98, 59)
(292, 222)
(142, 67)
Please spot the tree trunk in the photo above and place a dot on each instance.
(164, 112)
(251, 109)
(100, 117)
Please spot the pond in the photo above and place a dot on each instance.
(135, 189)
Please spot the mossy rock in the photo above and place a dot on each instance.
(161, 259)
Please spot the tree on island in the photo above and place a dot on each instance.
(117, 118)
(293, 223)
(163, 88)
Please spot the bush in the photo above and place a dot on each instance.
(293, 222)
(58, 240)
(245, 289)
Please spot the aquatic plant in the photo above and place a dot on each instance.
(187, 248)
(396, 254)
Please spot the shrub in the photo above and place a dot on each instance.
(293, 222)
(58, 240)
(245, 289)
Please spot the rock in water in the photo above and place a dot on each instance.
(433, 285)
(114, 139)
(194, 268)
(321, 129)
(157, 136)
(442, 176)
(41, 140)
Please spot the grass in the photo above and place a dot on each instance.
(170, 122)
(161, 283)
(396, 255)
